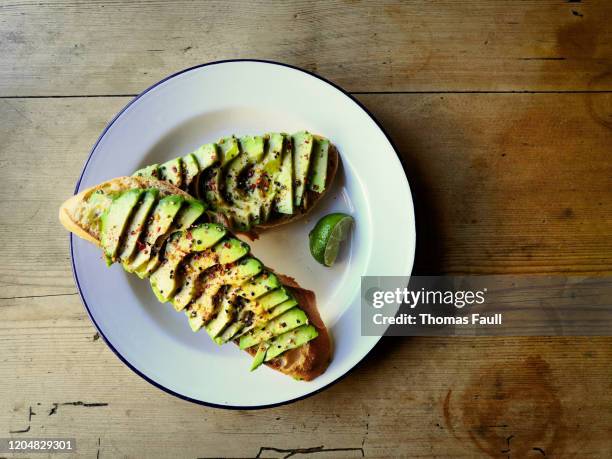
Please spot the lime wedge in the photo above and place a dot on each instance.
(326, 236)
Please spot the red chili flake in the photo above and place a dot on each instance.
(174, 169)
(227, 245)
(189, 236)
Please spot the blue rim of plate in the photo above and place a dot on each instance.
(76, 278)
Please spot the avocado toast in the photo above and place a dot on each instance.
(159, 232)
(255, 182)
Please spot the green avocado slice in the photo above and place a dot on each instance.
(281, 308)
(186, 216)
(212, 188)
(262, 319)
(114, 221)
(273, 298)
(206, 155)
(182, 243)
(318, 173)
(283, 323)
(267, 172)
(282, 343)
(252, 151)
(244, 209)
(149, 171)
(260, 356)
(283, 182)
(231, 331)
(290, 340)
(157, 226)
(202, 308)
(191, 169)
(224, 316)
(302, 152)
(260, 285)
(225, 252)
(228, 149)
(137, 225)
(172, 171)
(189, 213)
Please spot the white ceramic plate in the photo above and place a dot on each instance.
(197, 106)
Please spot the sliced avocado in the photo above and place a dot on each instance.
(212, 187)
(290, 340)
(206, 155)
(264, 283)
(260, 356)
(241, 217)
(232, 275)
(225, 252)
(231, 331)
(252, 148)
(191, 169)
(161, 283)
(273, 298)
(283, 323)
(281, 308)
(272, 160)
(157, 225)
(189, 213)
(318, 172)
(302, 151)
(267, 173)
(228, 149)
(137, 224)
(186, 216)
(114, 221)
(264, 317)
(224, 315)
(172, 171)
(96, 205)
(244, 209)
(283, 182)
(149, 268)
(182, 243)
(149, 171)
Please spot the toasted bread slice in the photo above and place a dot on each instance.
(310, 197)
(305, 362)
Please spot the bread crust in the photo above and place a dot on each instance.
(68, 210)
(306, 362)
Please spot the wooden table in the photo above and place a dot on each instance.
(502, 113)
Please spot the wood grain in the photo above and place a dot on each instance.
(503, 184)
(121, 47)
(518, 181)
(412, 397)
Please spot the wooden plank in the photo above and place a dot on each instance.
(414, 397)
(506, 183)
(121, 47)
(44, 145)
